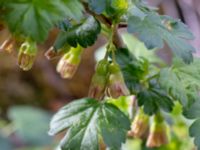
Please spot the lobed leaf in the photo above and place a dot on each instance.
(35, 18)
(153, 99)
(169, 81)
(84, 34)
(85, 120)
(153, 30)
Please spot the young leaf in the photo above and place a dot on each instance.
(36, 18)
(153, 99)
(153, 29)
(84, 34)
(83, 118)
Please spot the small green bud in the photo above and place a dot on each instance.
(99, 80)
(116, 84)
(69, 63)
(27, 55)
(158, 133)
(140, 124)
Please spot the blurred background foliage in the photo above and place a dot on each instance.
(28, 99)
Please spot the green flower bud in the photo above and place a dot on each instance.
(99, 80)
(158, 133)
(140, 124)
(27, 55)
(116, 84)
(69, 63)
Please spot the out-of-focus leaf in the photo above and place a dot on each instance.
(5, 143)
(122, 103)
(138, 49)
(31, 125)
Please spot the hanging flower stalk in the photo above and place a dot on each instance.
(69, 62)
(27, 54)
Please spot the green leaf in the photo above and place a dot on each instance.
(153, 99)
(113, 125)
(111, 8)
(195, 132)
(71, 114)
(86, 119)
(36, 18)
(31, 125)
(169, 81)
(84, 34)
(140, 9)
(97, 6)
(133, 70)
(153, 29)
(188, 74)
(193, 111)
(83, 135)
(72, 9)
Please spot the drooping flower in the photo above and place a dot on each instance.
(158, 133)
(27, 54)
(99, 80)
(69, 62)
(140, 124)
(116, 84)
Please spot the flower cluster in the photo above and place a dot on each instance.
(157, 136)
(108, 79)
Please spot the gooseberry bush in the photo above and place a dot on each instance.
(147, 90)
